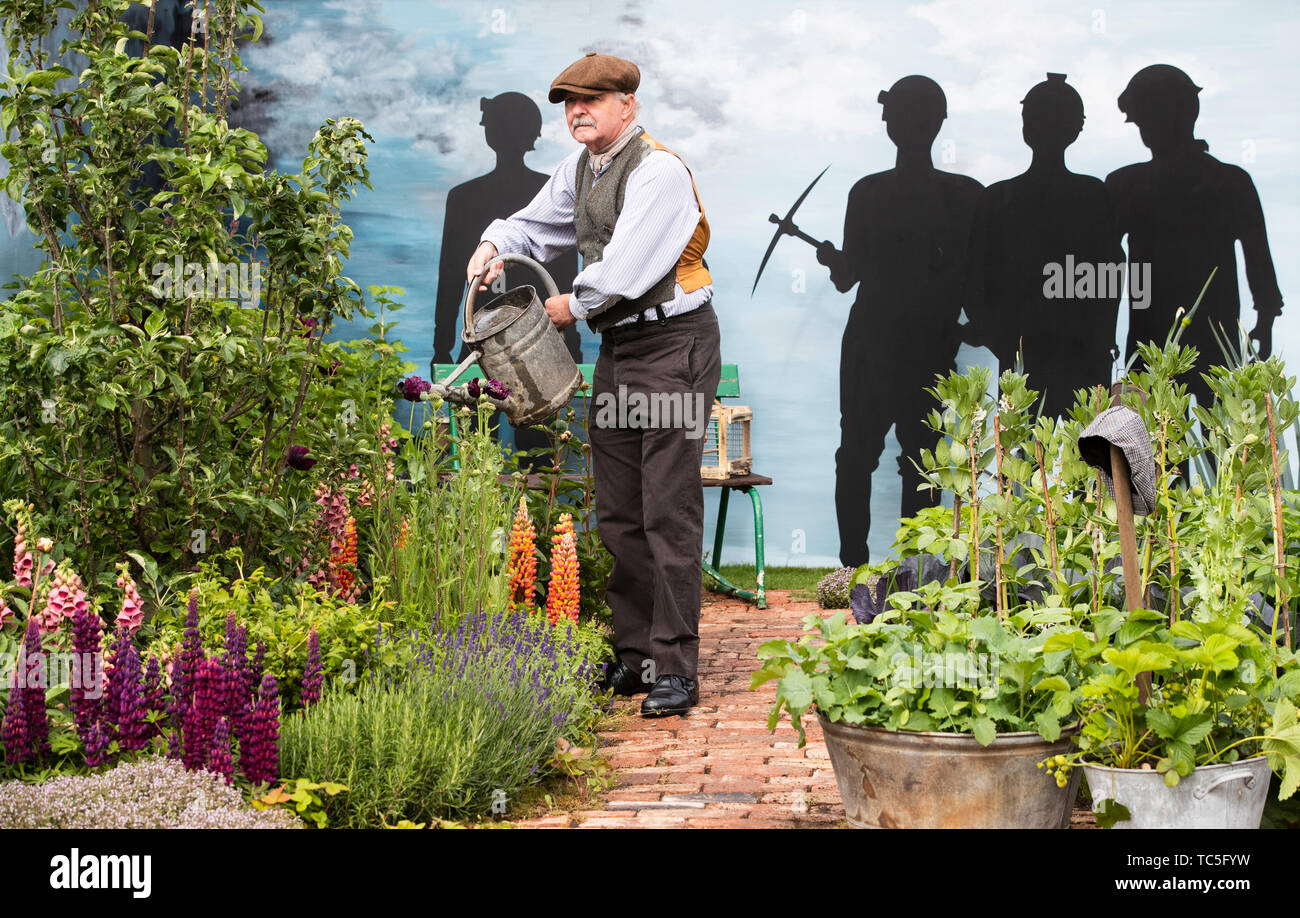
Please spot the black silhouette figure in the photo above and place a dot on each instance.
(1036, 238)
(1182, 212)
(511, 125)
(906, 233)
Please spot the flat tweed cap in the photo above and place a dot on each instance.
(596, 73)
(1124, 428)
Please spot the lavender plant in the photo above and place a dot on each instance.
(468, 720)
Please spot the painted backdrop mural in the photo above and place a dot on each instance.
(993, 169)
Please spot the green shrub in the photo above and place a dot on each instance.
(474, 719)
(153, 420)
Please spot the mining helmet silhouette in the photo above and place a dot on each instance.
(1157, 86)
(916, 95)
(513, 111)
(1056, 96)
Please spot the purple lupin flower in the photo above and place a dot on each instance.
(239, 685)
(86, 700)
(96, 744)
(219, 759)
(14, 727)
(204, 711)
(313, 675)
(259, 756)
(256, 667)
(126, 704)
(155, 694)
(33, 694)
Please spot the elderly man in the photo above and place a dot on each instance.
(630, 206)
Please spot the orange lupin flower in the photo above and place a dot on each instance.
(562, 594)
(523, 559)
(402, 536)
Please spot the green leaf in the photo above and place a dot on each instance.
(985, 731)
(1110, 812)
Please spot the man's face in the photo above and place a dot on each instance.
(595, 121)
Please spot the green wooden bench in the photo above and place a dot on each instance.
(728, 387)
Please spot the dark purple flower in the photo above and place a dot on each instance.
(205, 710)
(219, 758)
(85, 699)
(38, 724)
(472, 388)
(259, 754)
(329, 370)
(14, 728)
(496, 390)
(126, 704)
(313, 675)
(298, 458)
(413, 387)
(98, 739)
(155, 692)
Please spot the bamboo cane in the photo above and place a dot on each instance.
(1279, 538)
(999, 593)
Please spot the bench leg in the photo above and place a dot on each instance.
(713, 571)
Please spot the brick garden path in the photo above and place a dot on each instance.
(719, 766)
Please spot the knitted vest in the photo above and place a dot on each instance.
(595, 212)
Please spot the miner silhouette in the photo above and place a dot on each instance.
(511, 124)
(1047, 268)
(906, 232)
(1183, 211)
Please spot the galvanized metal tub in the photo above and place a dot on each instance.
(1227, 796)
(913, 780)
(520, 347)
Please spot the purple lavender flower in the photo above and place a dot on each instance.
(313, 675)
(413, 387)
(298, 458)
(496, 390)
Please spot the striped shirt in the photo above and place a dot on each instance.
(658, 218)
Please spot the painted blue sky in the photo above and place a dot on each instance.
(759, 97)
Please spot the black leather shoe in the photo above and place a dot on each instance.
(671, 695)
(623, 680)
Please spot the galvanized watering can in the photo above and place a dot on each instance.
(515, 342)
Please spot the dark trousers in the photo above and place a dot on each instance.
(882, 383)
(649, 500)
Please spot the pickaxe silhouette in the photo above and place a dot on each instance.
(785, 227)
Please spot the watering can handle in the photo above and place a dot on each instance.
(537, 267)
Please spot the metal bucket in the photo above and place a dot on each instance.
(520, 346)
(913, 780)
(1229, 796)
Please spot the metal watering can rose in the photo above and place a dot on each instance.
(517, 346)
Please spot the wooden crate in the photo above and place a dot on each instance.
(726, 442)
